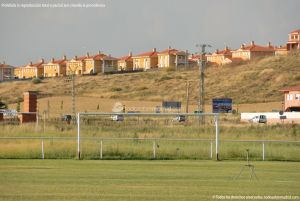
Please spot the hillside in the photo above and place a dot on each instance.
(253, 82)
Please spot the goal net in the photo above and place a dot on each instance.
(137, 135)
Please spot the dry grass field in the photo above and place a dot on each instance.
(257, 81)
(62, 105)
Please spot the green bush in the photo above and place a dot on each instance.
(36, 80)
(116, 89)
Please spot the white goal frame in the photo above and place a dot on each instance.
(215, 115)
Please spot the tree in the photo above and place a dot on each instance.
(18, 108)
(3, 105)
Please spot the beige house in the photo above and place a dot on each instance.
(125, 63)
(292, 99)
(75, 66)
(6, 71)
(222, 57)
(252, 51)
(92, 64)
(172, 58)
(100, 63)
(55, 68)
(145, 61)
(194, 60)
(281, 50)
(31, 70)
(294, 40)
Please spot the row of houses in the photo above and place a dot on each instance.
(102, 63)
(170, 57)
(252, 51)
(88, 64)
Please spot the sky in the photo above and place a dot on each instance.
(29, 34)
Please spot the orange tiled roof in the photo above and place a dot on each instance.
(148, 54)
(256, 48)
(98, 56)
(294, 88)
(170, 51)
(60, 61)
(81, 58)
(95, 57)
(36, 65)
(225, 51)
(126, 58)
(296, 31)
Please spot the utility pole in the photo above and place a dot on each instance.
(71, 78)
(73, 95)
(202, 62)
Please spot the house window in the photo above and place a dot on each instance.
(297, 96)
(290, 97)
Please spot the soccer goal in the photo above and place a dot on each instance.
(155, 130)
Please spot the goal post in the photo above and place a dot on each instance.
(124, 115)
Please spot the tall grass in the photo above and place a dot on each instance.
(145, 132)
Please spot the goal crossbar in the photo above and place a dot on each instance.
(146, 114)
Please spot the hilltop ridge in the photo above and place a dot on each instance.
(251, 82)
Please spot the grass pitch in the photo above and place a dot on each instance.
(143, 180)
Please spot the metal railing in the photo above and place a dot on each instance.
(208, 144)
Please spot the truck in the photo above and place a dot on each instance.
(259, 119)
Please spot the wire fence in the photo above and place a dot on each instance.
(146, 148)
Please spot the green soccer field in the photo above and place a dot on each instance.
(143, 180)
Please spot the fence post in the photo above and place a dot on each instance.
(211, 149)
(101, 150)
(43, 153)
(78, 136)
(263, 150)
(154, 149)
(37, 122)
(217, 135)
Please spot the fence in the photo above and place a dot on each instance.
(146, 148)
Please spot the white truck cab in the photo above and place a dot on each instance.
(259, 119)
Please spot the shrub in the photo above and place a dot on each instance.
(36, 80)
(3, 105)
(142, 88)
(116, 89)
(297, 77)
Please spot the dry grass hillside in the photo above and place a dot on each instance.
(253, 82)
